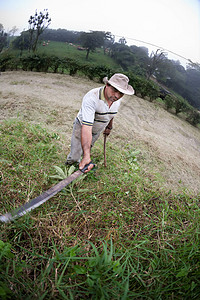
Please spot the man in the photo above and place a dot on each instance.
(99, 106)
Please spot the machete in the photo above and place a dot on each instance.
(22, 210)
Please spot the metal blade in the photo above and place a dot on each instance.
(22, 210)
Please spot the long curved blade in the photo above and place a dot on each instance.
(22, 210)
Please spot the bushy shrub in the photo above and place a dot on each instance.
(99, 72)
(143, 87)
(169, 102)
(54, 63)
(193, 117)
(6, 61)
(38, 63)
(151, 90)
(138, 83)
(73, 66)
(180, 105)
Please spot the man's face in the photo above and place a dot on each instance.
(112, 94)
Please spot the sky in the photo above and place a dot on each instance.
(172, 25)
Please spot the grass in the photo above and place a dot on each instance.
(61, 49)
(113, 234)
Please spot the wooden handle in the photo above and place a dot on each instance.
(104, 150)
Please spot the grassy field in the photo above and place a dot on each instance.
(115, 233)
(112, 234)
(61, 49)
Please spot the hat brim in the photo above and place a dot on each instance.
(128, 91)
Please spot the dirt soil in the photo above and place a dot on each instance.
(170, 147)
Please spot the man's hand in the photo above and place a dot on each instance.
(84, 162)
(107, 131)
(108, 128)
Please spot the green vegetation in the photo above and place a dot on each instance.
(65, 50)
(113, 234)
(71, 51)
(3, 38)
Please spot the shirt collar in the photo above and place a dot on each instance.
(101, 94)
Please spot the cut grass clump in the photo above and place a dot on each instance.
(113, 234)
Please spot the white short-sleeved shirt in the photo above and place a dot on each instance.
(95, 111)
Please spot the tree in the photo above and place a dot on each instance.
(61, 35)
(156, 58)
(123, 55)
(37, 24)
(3, 38)
(192, 89)
(193, 65)
(109, 40)
(141, 60)
(22, 42)
(122, 41)
(13, 30)
(194, 117)
(92, 40)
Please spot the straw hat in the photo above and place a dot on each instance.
(120, 82)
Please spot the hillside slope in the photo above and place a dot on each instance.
(170, 147)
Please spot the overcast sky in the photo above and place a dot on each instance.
(171, 24)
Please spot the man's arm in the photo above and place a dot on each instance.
(86, 141)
